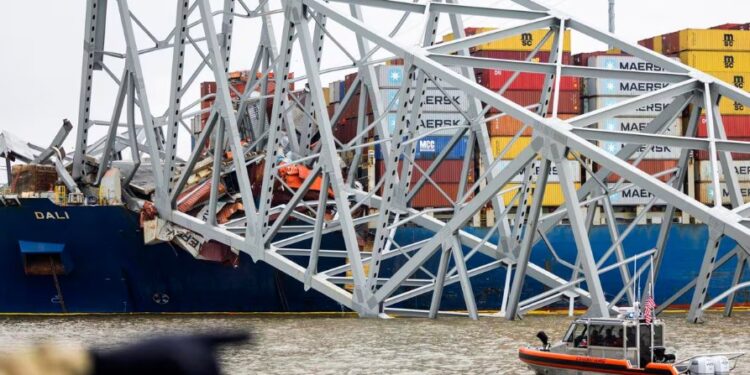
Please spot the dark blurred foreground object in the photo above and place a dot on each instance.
(170, 355)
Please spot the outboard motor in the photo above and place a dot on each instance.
(702, 366)
(721, 365)
(544, 339)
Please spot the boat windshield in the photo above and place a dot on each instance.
(576, 335)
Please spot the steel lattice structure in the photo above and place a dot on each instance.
(384, 207)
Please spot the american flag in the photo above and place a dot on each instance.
(648, 309)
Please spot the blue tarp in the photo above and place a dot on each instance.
(30, 247)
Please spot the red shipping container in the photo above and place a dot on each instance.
(449, 171)
(570, 101)
(430, 197)
(648, 43)
(519, 55)
(732, 26)
(734, 126)
(703, 155)
(346, 130)
(508, 126)
(495, 79)
(651, 167)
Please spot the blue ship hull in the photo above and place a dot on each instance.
(110, 270)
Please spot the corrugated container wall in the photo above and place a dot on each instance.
(523, 42)
(741, 168)
(632, 196)
(509, 126)
(554, 174)
(712, 61)
(430, 146)
(570, 101)
(734, 126)
(448, 171)
(705, 192)
(553, 195)
(495, 79)
(434, 100)
(651, 110)
(520, 55)
(434, 123)
(706, 40)
(651, 167)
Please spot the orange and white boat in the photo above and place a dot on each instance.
(623, 345)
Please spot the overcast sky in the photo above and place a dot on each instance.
(42, 49)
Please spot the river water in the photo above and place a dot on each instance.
(345, 345)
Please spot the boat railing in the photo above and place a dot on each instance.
(732, 356)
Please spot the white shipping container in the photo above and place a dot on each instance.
(637, 125)
(633, 196)
(336, 91)
(554, 175)
(741, 168)
(651, 110)
(629, 63)
(657, 152)
(705, 192)
(392, 76)
(433, 100)
(447, 123)
(616, 87)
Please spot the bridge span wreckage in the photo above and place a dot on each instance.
(235, 169)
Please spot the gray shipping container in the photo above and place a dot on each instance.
(658, 152)
(633, 196)
(554, 175)
(448, 123)
(741, 168)
(629, 63)
(615, 87)
(392, 76)
(637, 125)
(651, 110)
(434, 100)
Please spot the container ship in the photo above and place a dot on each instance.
(91, 257)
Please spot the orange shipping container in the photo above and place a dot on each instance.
(651, 167)
(508, 126)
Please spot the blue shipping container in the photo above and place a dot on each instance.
(429, 147)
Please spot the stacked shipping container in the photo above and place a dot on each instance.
(525, 90)
(724, 52)
(601, 93)
(441, 118)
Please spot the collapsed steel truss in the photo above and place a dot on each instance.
(208, 33)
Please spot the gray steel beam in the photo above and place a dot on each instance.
(704, 276)
(524, 255)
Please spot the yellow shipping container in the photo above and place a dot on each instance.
(326, 96)
(658, 45)
(709, 61)
(553, 195)
(741, 80)
(522, 42)
(515, 149)
(712, 40)
(705, 192)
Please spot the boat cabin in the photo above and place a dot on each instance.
(633, 340)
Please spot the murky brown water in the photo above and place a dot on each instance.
(304, 345)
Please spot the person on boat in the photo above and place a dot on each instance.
(618, 338)
(609, 338)
(596, 338)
